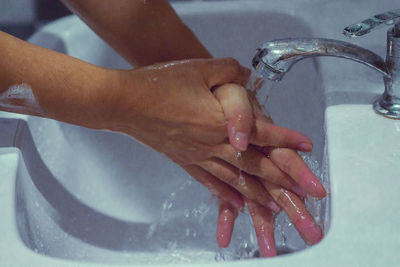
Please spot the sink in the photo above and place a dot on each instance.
(72, 196)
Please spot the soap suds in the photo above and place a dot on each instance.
(19, 98)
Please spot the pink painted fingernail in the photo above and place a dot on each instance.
(237, 203)
(241, 140)
(274, 207)
(299, 191)
(223, 235)
(308, 229)
(313, 186)
(225, 227)
(306, 147)
(266, 245)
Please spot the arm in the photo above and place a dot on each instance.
(143, 32)
(38, 81)
(188, 126)
(148, 32)
(141, 48)
(66, 89)
(41, 82)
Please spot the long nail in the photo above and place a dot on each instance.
(306, 147)
(299, 191)
(266, 244)
(225, 227)
(241, 140)
(308, 229)
(311, 185)
(237, 204)
(223, 235)
(274, 207)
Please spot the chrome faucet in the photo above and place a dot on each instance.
(273, 59)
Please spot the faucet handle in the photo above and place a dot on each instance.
(375, 22)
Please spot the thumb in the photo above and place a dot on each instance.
(238, 111)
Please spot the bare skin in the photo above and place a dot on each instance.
(293, 170)
(163, 36)
(65, 88)
(244, 120)
(171, 108)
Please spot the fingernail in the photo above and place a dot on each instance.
(274, 207)
(223, 235)
(306, 147)
(309, 230)
(237, 204)
(299, 191)
(241, 140)
(266, 245)
(313, 186)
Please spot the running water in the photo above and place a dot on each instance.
(286, 236)
(262, 90)
(185, 233)
(241, 178)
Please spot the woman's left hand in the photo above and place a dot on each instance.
(263, 220)
(289, 162)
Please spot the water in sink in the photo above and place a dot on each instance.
(286, 236)
(197, 224)
(86, 195)
(82, 196)
(179, 233)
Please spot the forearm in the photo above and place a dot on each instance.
(143, 32)
(38, 81)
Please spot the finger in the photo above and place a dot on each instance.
(291, 163)
(224, 70)
(255, 163)
(235, 103)
(267, 134)
(226, 220)
(264, 227)
(297, 213)
(216, 186)
(246, 184)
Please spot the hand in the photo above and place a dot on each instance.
(263, 220)
(290, 163)
(174, 111)
(244, 113)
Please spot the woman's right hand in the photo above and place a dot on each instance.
(171, 108)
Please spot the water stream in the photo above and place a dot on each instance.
(188, 234)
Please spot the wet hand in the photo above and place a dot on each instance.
(263, 219)
(282, 199)
(297, 177)
(286, 168)
(174, 111)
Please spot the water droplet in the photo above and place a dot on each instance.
(186, 213)
(242, 181)
(220, 255)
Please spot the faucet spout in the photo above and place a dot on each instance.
(273, 59)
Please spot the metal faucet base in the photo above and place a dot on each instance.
(391, 111)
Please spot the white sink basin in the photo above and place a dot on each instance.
(71, 196)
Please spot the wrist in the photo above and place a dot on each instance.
(132, 100)
(106, 97)
(88, 102)
(120, 96)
